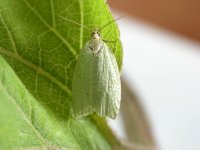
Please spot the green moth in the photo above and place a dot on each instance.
(96, 86)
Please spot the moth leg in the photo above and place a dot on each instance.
(96, 53)
(93, 52)
(114, 41)
(90, 48)
(107, 41)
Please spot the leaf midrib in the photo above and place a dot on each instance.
(81, 22)
(52, 13)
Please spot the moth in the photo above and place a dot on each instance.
(96, 86)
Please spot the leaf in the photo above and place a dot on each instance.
(37, 58)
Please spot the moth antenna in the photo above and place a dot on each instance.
(75, 22)
(110, 22)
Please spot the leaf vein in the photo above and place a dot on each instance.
(43, 140)
(9, 34)
(73, 51)
(81, 22)
(53, 13)
(37, 69)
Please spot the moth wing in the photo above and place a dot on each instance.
(96, 84)
(106, 93)
(81, 84)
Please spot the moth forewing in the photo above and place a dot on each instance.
(111, 87)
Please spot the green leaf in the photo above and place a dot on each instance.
(37, 58)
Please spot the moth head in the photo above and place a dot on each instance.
(96, 34)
